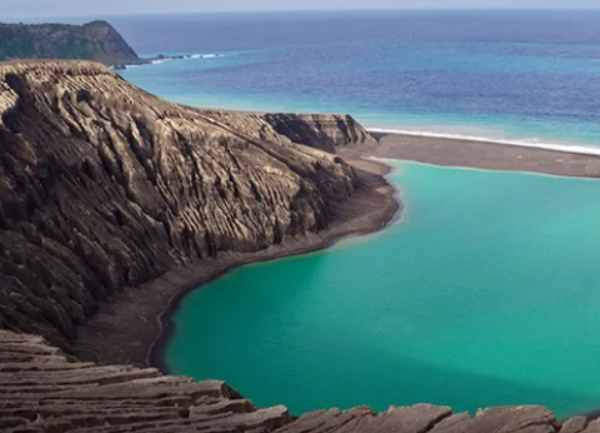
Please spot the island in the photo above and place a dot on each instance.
(97, 40)
(115, 203)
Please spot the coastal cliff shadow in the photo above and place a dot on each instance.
(402, 381)
(378, 135)
(257, 287)
(375, 196)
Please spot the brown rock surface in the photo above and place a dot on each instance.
(325, 131)
(42, 390)
(104, 186)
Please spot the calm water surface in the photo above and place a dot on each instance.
(486, 293)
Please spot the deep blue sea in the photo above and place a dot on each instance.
(531, 77)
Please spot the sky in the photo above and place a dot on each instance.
(64, 8)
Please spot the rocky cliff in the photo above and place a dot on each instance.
(97, 40)
(325, 132)
(328, 132)
(41, 390)
(104, 186)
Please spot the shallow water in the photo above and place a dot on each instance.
(485, 293)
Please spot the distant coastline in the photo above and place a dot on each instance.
(557, 147)
(161, 58)
(571, 161)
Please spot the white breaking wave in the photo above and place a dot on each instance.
(185, 57)
(202, 56)
(531, 143)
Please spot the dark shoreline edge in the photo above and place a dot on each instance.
(561, 164)
(156, 352)
(108, 337)
(136, 327)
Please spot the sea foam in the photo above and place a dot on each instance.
(530, 143)
(202, 56)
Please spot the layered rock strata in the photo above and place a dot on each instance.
(42, 390)
(103, 186)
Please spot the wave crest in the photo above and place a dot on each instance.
(203, 56)
(531, 143)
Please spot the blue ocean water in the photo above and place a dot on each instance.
(531, 77)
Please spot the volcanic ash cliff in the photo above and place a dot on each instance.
(104, 186)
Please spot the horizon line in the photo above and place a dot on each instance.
(457, 9)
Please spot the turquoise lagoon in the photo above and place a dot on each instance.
(484, 293)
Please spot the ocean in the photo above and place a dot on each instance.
(485, 293)
(526, 77)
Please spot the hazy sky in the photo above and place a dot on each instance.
(57, 8)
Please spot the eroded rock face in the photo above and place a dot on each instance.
(324, 131)
(41, 390)
(320, 131)
(104, 186)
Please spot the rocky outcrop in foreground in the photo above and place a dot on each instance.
(42, 390)
(103, 186)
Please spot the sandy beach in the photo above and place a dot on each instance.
(485, 155)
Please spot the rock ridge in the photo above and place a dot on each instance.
(43, 390)
(103, 186)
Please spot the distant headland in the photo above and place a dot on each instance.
(96, 40)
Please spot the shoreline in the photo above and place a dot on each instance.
(127, 331)
(485, 155)
(577, 148)
(156, 352)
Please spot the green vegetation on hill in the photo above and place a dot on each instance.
(97, 40)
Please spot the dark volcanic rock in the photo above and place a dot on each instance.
(323, 132)
(41, 390)
(96, 40)
(104, 186)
